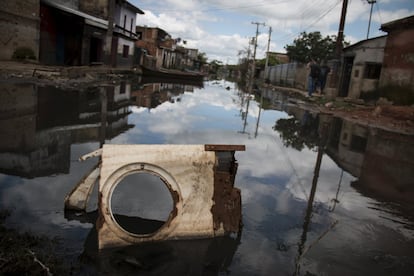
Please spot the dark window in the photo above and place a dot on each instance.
(124, 21)
(358, 143)
(132, 23)
(125, 51)
(372, 70)
(122, 89)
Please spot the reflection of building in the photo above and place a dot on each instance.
(381, 160)
(347, 145)
(39, 124)
(151, 95)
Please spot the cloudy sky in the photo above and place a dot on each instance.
(222, 28)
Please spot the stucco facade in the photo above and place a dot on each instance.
(398, 66)
(366, 57)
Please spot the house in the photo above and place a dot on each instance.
(362, 63)
(70, 36)
(398, 64)
(187, 58)
(74, 32)
(124, 36)
(19, 27)
(156, 48)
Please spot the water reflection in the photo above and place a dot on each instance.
(356, 218)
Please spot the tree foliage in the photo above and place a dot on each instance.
(312, 46)
(271, 62)
(299, 133)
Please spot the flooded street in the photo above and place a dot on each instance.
(320, 196)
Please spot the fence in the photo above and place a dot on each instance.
(288, 74)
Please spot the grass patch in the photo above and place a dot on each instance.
(25, 254)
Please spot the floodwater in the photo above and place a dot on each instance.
(320, 196)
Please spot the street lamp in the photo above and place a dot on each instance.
(371, 2)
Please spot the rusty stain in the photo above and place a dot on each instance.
(227, 199)
(174, 212)
(101, 220)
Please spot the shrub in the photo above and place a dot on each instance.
(22, 53)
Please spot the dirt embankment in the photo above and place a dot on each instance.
(394, 118)
(74, 77)
(382, 114)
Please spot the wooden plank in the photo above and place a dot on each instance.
(211, 147)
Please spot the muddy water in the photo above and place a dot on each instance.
(320, 196)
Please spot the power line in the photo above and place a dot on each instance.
(290, 36)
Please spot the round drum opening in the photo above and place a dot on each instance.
(141, 203)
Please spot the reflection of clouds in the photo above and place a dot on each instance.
(39, 202)
(275, 183)
(142, 195)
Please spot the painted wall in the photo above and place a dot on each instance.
(367, 54)
(398, 67)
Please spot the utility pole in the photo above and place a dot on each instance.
(254, 56)
(340, 37)
(267, 53)
(371, 2)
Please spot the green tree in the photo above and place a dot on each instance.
(271, 62)
(312, 46)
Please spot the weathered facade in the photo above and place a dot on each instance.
(124, 34)
(362, 67)
(69, 35)
(157, 49)
(398, 65)
(19, 26)
(68, 32)
(153, 48)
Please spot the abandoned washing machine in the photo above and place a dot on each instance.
(199, 180)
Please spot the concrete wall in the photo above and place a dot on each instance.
(288, 74)
(122, 61)
(365, 53)
(120, 14)
(19, 26)
(98, 8)
(398, 67)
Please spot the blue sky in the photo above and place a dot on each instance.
(222, 28)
